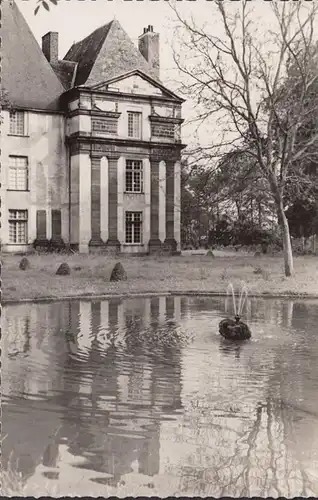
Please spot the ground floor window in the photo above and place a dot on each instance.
(133, 227)
(18, 226)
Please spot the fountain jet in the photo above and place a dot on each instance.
(235, 329)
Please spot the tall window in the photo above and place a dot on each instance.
(134, 125)
(134, 227)
(134, 176)
(18, 226)
(17, 123)
(18, 173)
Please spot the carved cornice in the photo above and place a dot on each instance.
(105, 146)
(94, 113)
(105, 114)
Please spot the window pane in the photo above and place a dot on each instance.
(17, 122)
(18, 173)
(18, 226)
(18, 214)
(133, 227)
(134, 124)
(129, 180)
(137, 181)
(12, 232)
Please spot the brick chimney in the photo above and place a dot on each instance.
(50, 46)
(148, 44)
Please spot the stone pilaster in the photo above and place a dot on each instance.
(162, 201)
(74, 200)
(84, 202)
(104, 195)
(154, 242)
(80, 196)
(113, 242)
(120, 200)
(170, 242)
(147, 190)
(177, 204)
(96, 240)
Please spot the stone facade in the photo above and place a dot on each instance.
(42, 190)
(103, 171)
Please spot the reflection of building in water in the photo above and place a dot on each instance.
(119, 394)
(71, 357)
(97, 378)
(33, 353)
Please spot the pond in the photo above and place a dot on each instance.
(143, 397)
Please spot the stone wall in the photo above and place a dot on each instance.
(44, 146)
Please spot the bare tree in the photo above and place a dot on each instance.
(247, 85)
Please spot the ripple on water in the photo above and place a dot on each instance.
(113, 392)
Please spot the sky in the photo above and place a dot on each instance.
(75, 19)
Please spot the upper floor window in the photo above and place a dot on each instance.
(18, 173)
(134, 176)
(133, 227)
(18, 226)
(134, 124)
(17, 123)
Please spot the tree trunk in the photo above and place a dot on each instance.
(314, 243)
(288, 253)
(260, 215)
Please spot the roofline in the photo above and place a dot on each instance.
(143, 75)
(31, 110)
(143, 97)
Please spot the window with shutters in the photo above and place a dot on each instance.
(18, 226)
(133, 230)
(134, 176)
(18, 173)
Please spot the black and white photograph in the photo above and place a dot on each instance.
(159, 248)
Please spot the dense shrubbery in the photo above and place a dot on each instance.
(243, 234)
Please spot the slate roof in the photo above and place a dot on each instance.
(104, 54)
(65, 71)
(27, 77)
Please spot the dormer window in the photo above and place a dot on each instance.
(134, 125)
(17, 123)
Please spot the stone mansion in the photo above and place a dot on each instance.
(90, 144)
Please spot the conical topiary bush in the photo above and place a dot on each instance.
(118, 273)
(64, 269)
(24, 264)
(210, 254)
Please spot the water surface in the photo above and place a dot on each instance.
(143, 397)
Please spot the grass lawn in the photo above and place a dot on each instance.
(198, 273)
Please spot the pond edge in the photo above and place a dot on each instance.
(147, 294)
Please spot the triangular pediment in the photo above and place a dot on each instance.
(135, 83)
